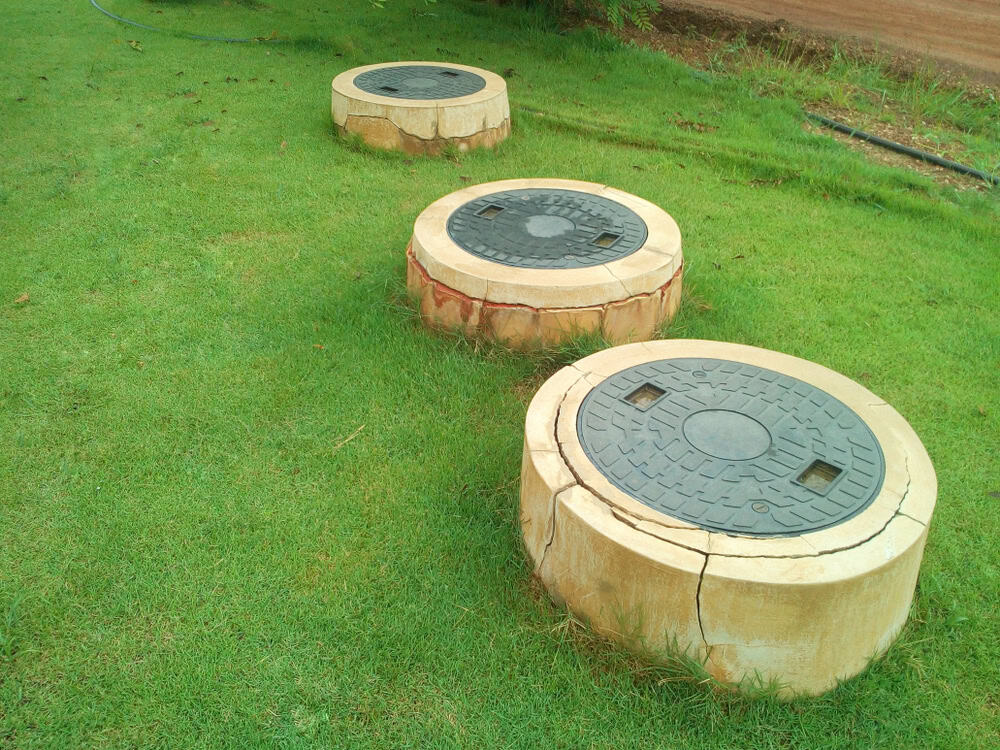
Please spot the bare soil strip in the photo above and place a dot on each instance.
(961, 32)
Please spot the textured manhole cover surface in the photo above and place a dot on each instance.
(547, 228)
(420, 82)
(731, 447)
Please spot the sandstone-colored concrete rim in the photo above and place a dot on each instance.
(906, 461)
(642, 272)
(343, 84)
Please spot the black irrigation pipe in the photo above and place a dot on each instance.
(900, 148)
(185, 35)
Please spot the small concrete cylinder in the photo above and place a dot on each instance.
(422, 107)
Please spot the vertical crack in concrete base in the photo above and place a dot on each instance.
(552, 534)
(555, 436)
(697, 602)
(906, 491)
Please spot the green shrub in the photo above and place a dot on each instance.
(635, 12)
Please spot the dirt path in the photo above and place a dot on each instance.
(966, 32)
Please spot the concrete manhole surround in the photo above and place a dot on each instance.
(422, 107)
(535, 261)
(791, 558)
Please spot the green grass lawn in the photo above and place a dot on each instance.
(246, 500)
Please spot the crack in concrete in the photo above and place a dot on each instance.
(552, 536)
(490, 285)
(697, 603)
(552, 522)
(396, 125)
(906, 491)
(627, 520)
(628, 293)
(552, 512)
(632, 520)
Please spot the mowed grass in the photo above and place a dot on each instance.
(246, 500)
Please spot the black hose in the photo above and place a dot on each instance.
(183, 34)
(900, 148)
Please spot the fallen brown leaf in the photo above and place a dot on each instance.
(22, 299)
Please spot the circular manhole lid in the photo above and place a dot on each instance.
(547, 228)
(731, 447)
(420, 82)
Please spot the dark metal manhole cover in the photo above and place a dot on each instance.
(731, 447)
(547, 228)
(420, 82)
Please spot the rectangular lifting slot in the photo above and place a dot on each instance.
(606, 239)
(644, 396)
(818, 476)
(490, 211)
(449, 73)
(390, 89)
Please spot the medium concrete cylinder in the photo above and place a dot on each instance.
(531, 263)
